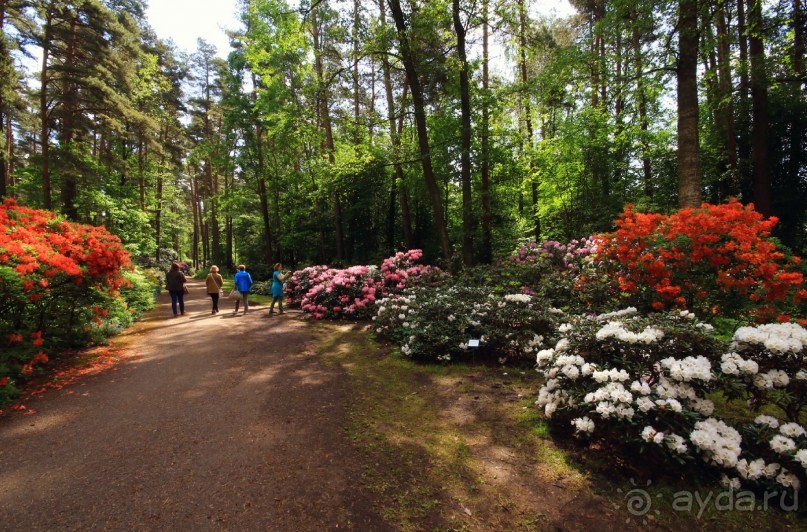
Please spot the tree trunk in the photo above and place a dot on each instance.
(419, 107)
(44, 115)
(325, 118)
(263, 194)
(141, 169)
(486, 253)
(356, 23)
(743, 144)
(726, 107)
(641, 102)
(465, 141)
(395, 140)
(4, 65)
(528, 140)
(67, 133)
(689, 177)
(759, 117)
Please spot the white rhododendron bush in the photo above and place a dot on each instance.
(436, 324)
(644, 381)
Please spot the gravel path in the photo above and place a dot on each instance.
(219, 422)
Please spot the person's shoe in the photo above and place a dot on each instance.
(183, 312)
(281, 312)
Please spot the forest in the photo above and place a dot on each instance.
(340, 132)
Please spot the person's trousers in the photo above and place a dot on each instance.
(177, 297)
(215, 298)
(245, 297)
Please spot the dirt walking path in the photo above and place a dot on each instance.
(215, 422)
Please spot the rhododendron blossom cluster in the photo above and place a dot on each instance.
(628, 378)
(716, 259)
(50, 269)
(352, 292)
(564, 257)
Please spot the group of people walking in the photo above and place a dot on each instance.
(242, 284)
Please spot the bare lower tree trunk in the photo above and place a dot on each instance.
(689, 178)
(759, 117)
(419, 107)
(641, 102)
(528, 134)
(44, 114)
(395, 140)
(487, 240)
(325, 118)
(465, 141)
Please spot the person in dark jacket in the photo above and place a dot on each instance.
(243, 283)
(175, 284)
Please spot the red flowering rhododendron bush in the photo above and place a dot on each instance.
(55, 277)
(715, 260)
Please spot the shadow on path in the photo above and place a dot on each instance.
(222, 422)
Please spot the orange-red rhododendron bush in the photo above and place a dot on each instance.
(718, 260)
(55, 276)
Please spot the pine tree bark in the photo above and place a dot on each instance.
(641, 102)
(726, 106)
(486, 253)
(759, 115)
(325, 118)
(4, 65)
(44, 113)
(689, 176)
(465, 140)
(418, 104)
(528, 134)
(395, 140)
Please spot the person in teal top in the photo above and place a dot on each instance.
(277, 288)
(243, 283)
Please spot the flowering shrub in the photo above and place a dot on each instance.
(570, 276)
(628, 379)
(60, 282)
(553, 254)
(629, 369)
(436, 324)
(714, 260)
(400, 272)
(350, 293)
(768, 365)
(301, 281)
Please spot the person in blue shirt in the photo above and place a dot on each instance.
(277, 287)
(243, 283)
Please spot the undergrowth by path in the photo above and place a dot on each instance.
(462, 448)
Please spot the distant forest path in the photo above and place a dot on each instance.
(210, 421)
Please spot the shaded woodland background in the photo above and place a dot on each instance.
(340, 131)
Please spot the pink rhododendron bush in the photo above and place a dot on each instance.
(645, 381)
(352, 292)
